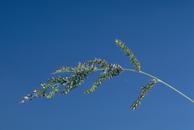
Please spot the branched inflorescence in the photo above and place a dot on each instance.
(76, 76)
(66, 79)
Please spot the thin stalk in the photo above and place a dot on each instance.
(163, 82)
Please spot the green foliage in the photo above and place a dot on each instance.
(129, 54)
(143, 92)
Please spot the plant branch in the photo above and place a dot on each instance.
(68, 78)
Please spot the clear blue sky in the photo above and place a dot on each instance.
(38, 36)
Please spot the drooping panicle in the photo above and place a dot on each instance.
(66, 79)
(60, 84)
(129, 54)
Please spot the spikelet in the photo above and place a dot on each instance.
(64, 70)
(53, 92)
(48, 89)
(143, 92)
(97, 83)
(110, 72)
(129, 54)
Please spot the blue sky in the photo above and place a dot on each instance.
(36, 37)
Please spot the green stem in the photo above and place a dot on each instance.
(163, 82)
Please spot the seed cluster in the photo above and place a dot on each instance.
(143, 92)
(110, 72)
(129, 54)
(65, 84)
